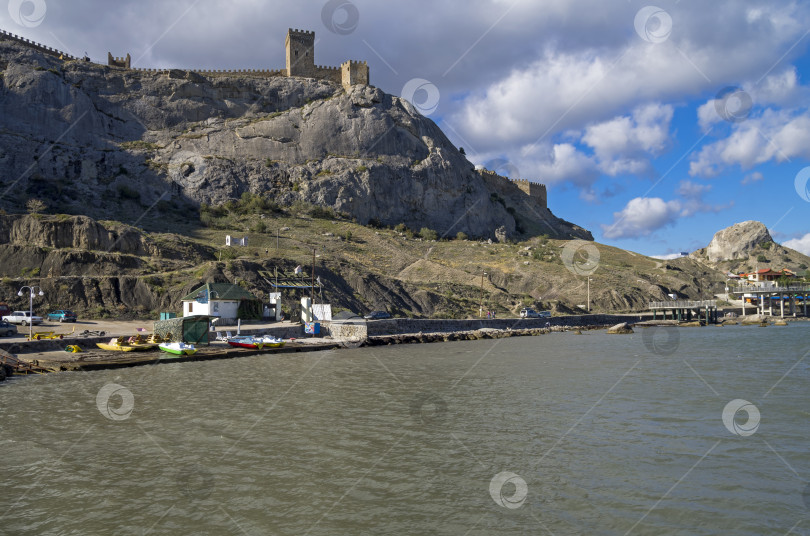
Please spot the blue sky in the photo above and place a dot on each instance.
(654, 126)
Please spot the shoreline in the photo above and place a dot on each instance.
(51, 357)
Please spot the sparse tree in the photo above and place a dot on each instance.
(462, 151)
(35, 206)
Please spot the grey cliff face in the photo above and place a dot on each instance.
(737, 241)
(89, 139)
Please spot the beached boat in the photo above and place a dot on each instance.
(268, 341)
(116, 345)
(246, 341)
(124, 344)
(178, 348)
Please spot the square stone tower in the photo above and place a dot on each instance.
(353, 73)
(300, 46)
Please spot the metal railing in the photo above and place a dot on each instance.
(683, 304)
(769, 288)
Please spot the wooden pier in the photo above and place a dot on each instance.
(686, 310)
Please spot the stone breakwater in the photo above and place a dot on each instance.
(412, 327)
(470, 335)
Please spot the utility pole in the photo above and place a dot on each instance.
(481, 307)
(589, 294)
(312, 295)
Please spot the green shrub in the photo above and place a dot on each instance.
(361, 169)
(461, 236)
(761, 258)
(401, 228)
(428, 234)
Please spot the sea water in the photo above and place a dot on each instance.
(666, 431)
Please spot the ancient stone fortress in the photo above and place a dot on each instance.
(534, 190)
(300, 54)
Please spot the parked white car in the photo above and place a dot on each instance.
(531, 313)
(22, 317)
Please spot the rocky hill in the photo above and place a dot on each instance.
(150, 147)
(108, 269)
(747, 246)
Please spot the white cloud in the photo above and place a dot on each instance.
(566, 163)
(753, 177)
(624, 144)
(802, 245)
(667, 257)
(776, 135)
(573, 83)
(641, 217)
(781, 89)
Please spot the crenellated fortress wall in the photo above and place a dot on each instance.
(534, 190)
(300, 55)
(37, 46)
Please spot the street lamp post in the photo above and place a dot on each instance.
(30, 307)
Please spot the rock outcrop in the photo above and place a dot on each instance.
(620, 329)
(119, 144)
(737, 241)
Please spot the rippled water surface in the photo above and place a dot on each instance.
(558, 434)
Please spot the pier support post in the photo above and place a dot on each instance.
(782, 305)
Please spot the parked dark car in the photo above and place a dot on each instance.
(377, 315)
(6, 329)
(62, 315)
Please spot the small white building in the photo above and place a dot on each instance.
(224, 300)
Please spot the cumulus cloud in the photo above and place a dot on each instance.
(802, 245)
(777, 135)
(641, 217)
(570, 86)
(624, 144)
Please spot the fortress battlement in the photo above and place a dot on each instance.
(536, 191)
(300, 52)
(37, 46)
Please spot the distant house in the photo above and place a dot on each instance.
(767, 275)
(224, 300)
